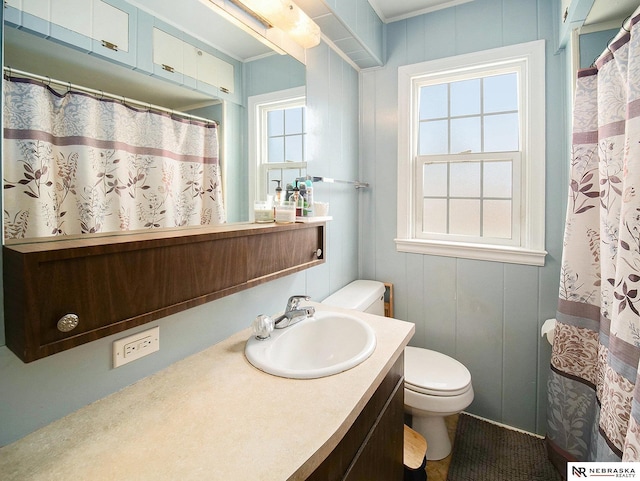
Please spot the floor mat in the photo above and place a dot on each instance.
(483, 451)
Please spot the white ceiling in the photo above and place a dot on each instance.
(393, 10)
(610, 11)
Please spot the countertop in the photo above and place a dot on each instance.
(211, 416)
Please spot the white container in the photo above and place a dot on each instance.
(262, 212)
(286, 212)
(321, 209)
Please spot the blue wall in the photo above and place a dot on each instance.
(486, 314)
(593, 44)
(35, 394)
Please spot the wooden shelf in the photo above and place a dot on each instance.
(114, 283)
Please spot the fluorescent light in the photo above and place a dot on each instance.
(286, 16)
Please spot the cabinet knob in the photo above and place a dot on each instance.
(68, 323)
(318, 253)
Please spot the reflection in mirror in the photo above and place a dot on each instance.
(31, 53)
(133, 169)
(277, 126)
(278, 121)
(79, 163)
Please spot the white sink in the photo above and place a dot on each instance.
(325, 344)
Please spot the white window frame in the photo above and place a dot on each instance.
(258, 109)
(531, 185)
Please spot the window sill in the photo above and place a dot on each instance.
(485, 252)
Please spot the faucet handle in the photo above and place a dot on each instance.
(262, 327)
(293, 301)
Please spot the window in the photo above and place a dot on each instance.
(471, 156)
(277, 130)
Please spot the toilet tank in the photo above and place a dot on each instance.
(361, 295)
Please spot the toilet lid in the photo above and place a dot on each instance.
(434, 373)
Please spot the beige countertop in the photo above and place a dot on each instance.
(211, 416)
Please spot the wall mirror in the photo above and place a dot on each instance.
(31, 52)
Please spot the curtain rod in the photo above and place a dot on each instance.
(99, 93)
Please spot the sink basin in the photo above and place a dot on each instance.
(325, 344)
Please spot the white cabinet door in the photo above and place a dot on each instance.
(37, 8)
(215, 71)
(110, 24)
(167, 51)
(190, 57)
(207, 71)
(74, 15)
(226, 79)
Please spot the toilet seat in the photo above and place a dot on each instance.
(433, 373)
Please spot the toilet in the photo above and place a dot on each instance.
(435, 384)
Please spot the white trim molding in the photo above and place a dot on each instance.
(530, 187)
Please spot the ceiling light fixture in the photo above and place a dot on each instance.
(286, 16)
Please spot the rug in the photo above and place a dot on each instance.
(483, 451)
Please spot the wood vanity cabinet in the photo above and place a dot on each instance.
(117, 282)
(372, 449)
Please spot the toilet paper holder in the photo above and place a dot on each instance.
(548, 329)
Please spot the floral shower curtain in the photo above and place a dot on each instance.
(594, 389)
(77, 164)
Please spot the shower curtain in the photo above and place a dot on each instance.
(593, 389)
(77, 164)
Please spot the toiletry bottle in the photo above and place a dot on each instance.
(309, 208)
(303, 196)
(278, 198)
(295, 198)
(302, 202)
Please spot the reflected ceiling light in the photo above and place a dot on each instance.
(285, 15)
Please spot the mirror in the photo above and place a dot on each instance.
(31, 53)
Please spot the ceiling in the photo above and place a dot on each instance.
(393, 10)
(610, 11)
(211, 28)
(208, 26)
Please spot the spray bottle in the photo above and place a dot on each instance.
(309, 209)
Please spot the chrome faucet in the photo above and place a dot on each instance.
(294, 313)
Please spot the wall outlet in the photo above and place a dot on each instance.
(136, 346)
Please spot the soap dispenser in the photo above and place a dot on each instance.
(297, 201)
(278, 198)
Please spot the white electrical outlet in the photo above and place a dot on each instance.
(136, 346)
